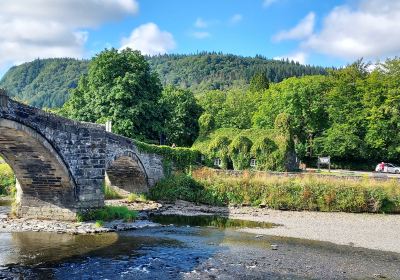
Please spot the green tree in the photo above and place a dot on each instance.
(120, 87)
(181, 113)
(259, 82)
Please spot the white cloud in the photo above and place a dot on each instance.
(267, 3)
(302, 30)
(150, 40)
(46, 28)
(236, 19)
(201, 23)
(370, 30)
(300, 57)
(201, 34)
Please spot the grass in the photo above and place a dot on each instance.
(110, 193)
(108, 213)
(303, 192)
(133, 197)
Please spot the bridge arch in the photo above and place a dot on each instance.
(125, 173)
(45, 186)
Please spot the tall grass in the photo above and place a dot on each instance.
(110, 193)
(303, 192)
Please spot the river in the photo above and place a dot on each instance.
(181, 249)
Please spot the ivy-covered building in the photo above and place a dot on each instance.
(260, 149)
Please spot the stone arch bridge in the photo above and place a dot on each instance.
(61, 165)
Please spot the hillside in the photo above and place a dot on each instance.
(46, 82)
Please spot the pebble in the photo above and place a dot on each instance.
(20, 225)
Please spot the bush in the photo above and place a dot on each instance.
(108, 213)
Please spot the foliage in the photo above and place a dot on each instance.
(267, 155)
(311, 192)
(210, 71)
(119, 87)
(206, 123)
(44, 82)
(110, 193)
(7, 180)
(181, 112)
(179, 186)
(259, 82)
(99, 223)
(108, 213)
(218, 148)
(47, 82)
(233, 108)
(239, 152)
(280, 147)
(181, 157)
(133, 197)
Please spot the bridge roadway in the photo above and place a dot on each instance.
(60, 165)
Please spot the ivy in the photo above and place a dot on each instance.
(218, 148)
(239, 152)
(179, 158)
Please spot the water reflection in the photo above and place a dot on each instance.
(37, 247)
(207, 221)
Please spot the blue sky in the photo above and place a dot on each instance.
(318, 32)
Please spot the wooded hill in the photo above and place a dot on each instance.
(46, 82)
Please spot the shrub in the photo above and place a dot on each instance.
(108, 213)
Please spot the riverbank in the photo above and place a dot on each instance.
(372, 231)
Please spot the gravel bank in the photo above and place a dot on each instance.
(372, 231)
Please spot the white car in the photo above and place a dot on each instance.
(389, 168)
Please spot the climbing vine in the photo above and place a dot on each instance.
(239, 152)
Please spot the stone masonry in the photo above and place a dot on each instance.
(60, 164)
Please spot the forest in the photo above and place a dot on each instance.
(46, 83)
(351, 114)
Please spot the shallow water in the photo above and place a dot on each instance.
(207, 221)
(189, 249)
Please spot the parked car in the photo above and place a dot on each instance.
(389, 168)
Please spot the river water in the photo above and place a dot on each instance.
(186, 248)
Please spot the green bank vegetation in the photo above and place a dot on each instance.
(7, 180)
(108, 213)
(306, 192)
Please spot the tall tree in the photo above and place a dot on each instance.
(119, 87)
(181, 113)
